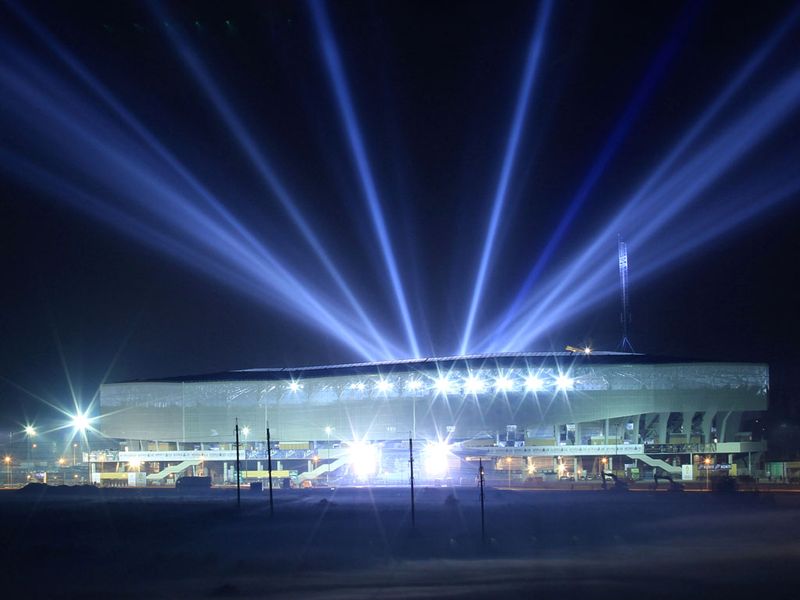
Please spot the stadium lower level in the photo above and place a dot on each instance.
(525, 416)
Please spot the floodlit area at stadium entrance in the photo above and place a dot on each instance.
(527, 417)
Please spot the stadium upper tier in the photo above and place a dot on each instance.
(535, 394)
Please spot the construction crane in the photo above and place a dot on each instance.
(573, 349)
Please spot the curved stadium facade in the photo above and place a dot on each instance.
(554, 414)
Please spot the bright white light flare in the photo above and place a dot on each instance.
(565, 382)
(474, 385)
(363, 458)
(533, 384)
(384, 386)
(503, 384)
(435, 458)
(443, 385)
(414, 385)
(80, 422)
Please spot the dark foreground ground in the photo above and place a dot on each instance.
(358, 543)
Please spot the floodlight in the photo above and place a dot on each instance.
(384, 385)
(474, 385)
(134, 463)
(359, 386)
(435, 456)
(295, 386)
(328, 430)
(363, 458)
(587, 350)
(414, 385)
(564, 382)
(30, 430)
(245, 431)
(80, 422)
(443, 385)
(503, 384)
(533, 384)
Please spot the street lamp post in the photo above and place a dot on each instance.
(7, 460)
(508, 468)
(707, 462)
(246, 433)
(30, 432)
(328, 431)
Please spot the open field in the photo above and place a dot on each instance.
(358, 542)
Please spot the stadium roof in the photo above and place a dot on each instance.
(505, 360)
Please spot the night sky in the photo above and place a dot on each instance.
(434, 86)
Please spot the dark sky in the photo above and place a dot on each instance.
(434, 84)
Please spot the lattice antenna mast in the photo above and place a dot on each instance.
(625, 316)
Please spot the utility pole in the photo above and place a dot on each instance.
(238, 477)
(411, 463)
(269, 474)
(483, 518)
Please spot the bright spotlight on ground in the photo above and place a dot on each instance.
(503, 384)
(363, 458)
(443, 385)
(434, 459)
(30, 430)
(384, 386)
(295, 386)
(474, 385)
(80, 422)
(533, 384)
(564, 382)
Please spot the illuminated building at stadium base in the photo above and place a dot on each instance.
(529, 416)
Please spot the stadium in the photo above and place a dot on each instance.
(528, 417)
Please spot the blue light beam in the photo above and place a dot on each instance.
(646, 88)
(260, 162)
(337, 79)
(625, 217)
(517, 126)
